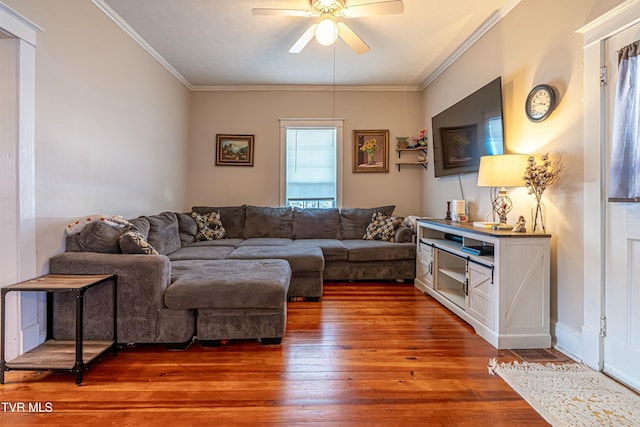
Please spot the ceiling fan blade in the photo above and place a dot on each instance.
(304, 39)
(391, 7)
(280, 12)
(351, 39)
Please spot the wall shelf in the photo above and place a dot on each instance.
(402, 150)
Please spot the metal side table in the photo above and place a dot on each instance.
(60, 355)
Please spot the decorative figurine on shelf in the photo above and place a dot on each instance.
(448, 217)
(421, 140)
(403, 142)
(520, 226)
(422, 159)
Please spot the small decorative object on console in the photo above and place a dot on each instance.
(521, 225)
(448, 216)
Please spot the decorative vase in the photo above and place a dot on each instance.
(370, 157)
(538, 217)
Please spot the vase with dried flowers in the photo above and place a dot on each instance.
(537, 177)
(370, 147)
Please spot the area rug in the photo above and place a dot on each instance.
(571, 394)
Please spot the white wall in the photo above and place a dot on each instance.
(257, 112)
(111, 122)
(536, 43)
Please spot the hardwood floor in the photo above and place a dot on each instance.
(368, 354)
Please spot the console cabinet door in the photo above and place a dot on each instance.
(425, 264)
(481, 294)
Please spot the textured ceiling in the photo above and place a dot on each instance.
(220, 42)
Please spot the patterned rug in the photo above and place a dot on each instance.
(571, 394)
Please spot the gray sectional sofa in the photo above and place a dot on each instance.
(226, 288)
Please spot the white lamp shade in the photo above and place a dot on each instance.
(327, 32)
(505, 170)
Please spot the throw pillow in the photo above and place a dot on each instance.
(209, 226)
(382, 227)
(133, 242)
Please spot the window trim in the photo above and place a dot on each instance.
(338, 124)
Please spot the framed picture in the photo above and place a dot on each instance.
(371, 150)
(234, 150)
(459, 146)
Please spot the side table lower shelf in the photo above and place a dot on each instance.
(59, 355)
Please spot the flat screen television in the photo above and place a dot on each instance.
(468, 130)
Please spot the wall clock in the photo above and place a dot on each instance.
(540, 103)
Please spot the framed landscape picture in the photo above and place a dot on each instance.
(234, 150)
(371, 150)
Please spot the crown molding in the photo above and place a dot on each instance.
(469, 42)
(107, 10)
(338, 88)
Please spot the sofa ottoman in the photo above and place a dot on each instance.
(307, 265)
(234, 299)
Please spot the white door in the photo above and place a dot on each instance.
(622, 259)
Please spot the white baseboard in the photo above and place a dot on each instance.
(592, 348)
(567, 340)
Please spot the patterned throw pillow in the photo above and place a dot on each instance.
(382, 227)
(133, 242)
(209, 226)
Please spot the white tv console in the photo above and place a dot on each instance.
(503, 292)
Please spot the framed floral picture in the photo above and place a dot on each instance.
(234, 150)
(371, 150)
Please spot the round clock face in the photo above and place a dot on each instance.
(540, 103)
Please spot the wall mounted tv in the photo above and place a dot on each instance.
(468, 130)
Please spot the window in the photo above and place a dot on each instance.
(311, 158)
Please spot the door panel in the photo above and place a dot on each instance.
(622, 253)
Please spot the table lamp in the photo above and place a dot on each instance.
(502, 171)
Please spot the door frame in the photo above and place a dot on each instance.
(594, 218)
(18, 144)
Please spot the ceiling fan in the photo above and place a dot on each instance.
(327, 29)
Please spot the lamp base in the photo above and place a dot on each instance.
(502, 227)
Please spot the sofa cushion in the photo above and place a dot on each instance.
(232, 217)
(332, 249)
(133, 242)
(209, 226)
(201, 252)
(300, 259)
(382, 227)
(164, 232)
(354, 221)
(269, 222)
(141, 224)
(316, 223)
(228, 284)
(222, 242)
(95, 237)
(378, 250)
(187, 228)
(266, 241)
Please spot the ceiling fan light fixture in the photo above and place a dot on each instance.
(327, 32)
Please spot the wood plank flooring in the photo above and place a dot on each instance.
(368, 354)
